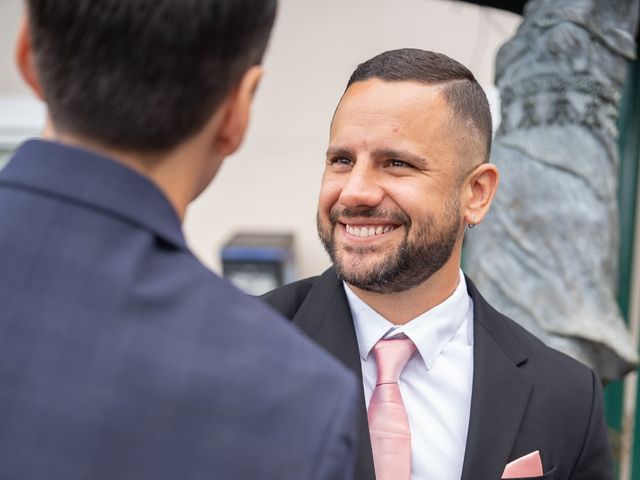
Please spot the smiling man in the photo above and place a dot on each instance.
(451, 388)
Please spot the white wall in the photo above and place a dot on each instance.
(273, 182)
(10, 82)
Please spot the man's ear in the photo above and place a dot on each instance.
(25, 58)
(237, 110)
(480, 187)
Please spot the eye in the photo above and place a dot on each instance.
(399, 163)
(339, 161)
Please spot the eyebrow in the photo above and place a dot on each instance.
(338, 152)
(379, 153)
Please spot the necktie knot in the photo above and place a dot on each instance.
(391, 357)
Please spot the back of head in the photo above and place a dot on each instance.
(143, 75)
(460, 88)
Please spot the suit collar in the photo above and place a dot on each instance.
(85, 177)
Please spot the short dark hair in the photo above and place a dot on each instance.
(460, 88)
(143, 75)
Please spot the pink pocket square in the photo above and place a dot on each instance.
(528, 466)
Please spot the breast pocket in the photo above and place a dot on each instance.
(550, 475)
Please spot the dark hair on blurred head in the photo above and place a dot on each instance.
(460, 88)
(143, 75)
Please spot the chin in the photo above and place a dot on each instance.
(361, 268)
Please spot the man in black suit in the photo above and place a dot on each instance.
(121, 356)
(478, 397)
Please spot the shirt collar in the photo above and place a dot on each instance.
(430, 331)
(90, 178)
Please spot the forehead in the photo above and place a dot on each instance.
(408, 111)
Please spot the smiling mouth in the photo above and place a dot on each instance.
(364, 231)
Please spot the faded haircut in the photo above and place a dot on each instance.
(461, 90)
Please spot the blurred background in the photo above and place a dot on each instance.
(271, 185)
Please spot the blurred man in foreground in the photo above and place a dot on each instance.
(451, 388)
(121, 356)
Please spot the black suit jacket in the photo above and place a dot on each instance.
(526, 396)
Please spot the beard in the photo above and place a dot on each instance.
(415, 260)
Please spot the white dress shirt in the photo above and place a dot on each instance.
(435, 385)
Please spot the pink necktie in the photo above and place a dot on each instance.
(388, 422)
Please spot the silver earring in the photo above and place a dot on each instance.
(474, 223)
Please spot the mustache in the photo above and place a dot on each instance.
(368, 212)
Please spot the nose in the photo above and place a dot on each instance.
(361, 188)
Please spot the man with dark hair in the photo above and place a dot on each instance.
(121, 356)
(451, 388)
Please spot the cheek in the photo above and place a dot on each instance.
(422, 204)
(413, 199)
(329, 194)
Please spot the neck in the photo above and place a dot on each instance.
(175, 172)
(400, 308)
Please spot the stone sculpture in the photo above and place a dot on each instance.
(547, 253)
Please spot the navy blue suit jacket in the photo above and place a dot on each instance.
(122, 357)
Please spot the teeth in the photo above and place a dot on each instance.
(367, 231)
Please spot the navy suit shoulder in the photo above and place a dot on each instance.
(121, 356)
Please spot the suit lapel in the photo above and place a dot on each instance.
(326, 318)
(500, 393)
